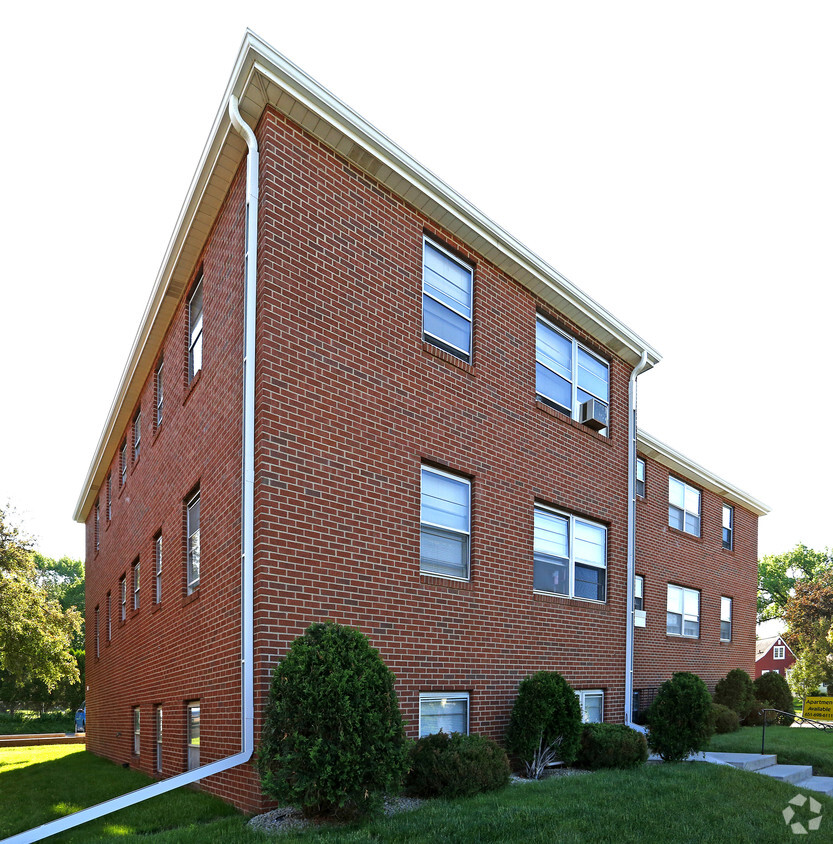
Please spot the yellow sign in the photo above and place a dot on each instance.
(820, 708)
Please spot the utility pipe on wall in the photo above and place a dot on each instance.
(247, 539)
(631, 539)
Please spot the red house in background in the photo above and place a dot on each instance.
(442, 453)
(773, 654)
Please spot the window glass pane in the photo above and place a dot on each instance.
(195, 312)
(445, 501)
(727, 516)
(675, 599)
(593, 708)
(691, 602)
(592, 375)
(554, 351)
(674, 623)
(551, 574)
(447, 714)
(443, 552)
(589, 543)
(550, 534)
(447, 280)
(676, 493)
(692, 500)
(725, 609)
(675, 517)
(445, 325)
(640, 470)
(725, 630)
(553, 387)
(590, 583)
(692, 524)
(691, 628)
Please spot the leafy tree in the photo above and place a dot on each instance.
(809, 613)
(810, 670)
(778, 575)
(64, 582)
(36, 632)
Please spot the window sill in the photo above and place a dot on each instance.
(691, 536)
(189, 599)
(543, 407)
(190, 387)
(447, 357)
(156, 607)
(680, 636)
(555, 598)
(450, 582)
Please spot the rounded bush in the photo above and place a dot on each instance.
(456, 765)
(679, 717)
(546, 713)
(333, 738)
(611, 746)
(735, 691)
(723, 719)
(775, 690)
(754, 718)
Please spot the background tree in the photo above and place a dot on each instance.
(778, 575)
(36, 632)
(64, 582)
(808, 613)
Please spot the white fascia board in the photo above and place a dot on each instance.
(341, 128)
(681, 465)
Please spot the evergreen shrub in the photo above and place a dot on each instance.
(679, 717)
(456, 765)
(735, 691)
(724, 719)
(333, 739)
(546, 713)
(611, 746)
(775, 690)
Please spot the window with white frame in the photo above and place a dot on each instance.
(570, 555)
(136, 583)
(195, 331)
(137, 722)
(137, 436)
(638, 588)
(445, 524)
(567, 374)
(97, 527)
(778, 652)
(160, 392)
(683, 506)
(193, 736)
(157, 553)
(123, 597)
(193, 534)
(97, 642)
(446, 301)
(109, 617)
(109, 496)
(728, 526)
(683, 612)
(592, 705)
(446, 711)
(640, 477)
(725, 619)
(159, 739)
(123, 464)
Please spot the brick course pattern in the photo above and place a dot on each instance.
(350, 402)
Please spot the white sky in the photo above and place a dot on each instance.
(674, 161)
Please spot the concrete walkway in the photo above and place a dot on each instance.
(37, 739)
(799, 775)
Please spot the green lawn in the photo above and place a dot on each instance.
(691, 802)
(795, 746)
(32, 722)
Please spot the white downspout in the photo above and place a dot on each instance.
(631, 539)
(247, 597)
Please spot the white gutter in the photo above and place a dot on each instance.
(631, 539)
(247, 566)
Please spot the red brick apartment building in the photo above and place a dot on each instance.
(439, 438)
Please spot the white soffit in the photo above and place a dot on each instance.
(679, 464)
(262, 77)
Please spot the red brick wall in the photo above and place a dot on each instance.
(666, 555)
(349, 404)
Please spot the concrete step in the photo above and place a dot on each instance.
(744, 761)
(824, 785)
(788, 773)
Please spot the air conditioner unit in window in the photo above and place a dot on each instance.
(594, 414)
